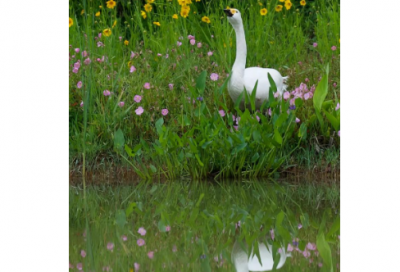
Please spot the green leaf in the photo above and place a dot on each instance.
(335, 122)
(120, 218)
(153, 168)
(130, 209)
(198, 159)
(278, 137)
(256, 135)
(321, 91)
(161, 226)
(255, 157)
(325, 251)
(298, 102)
(159, 124)
(335, 227)
(282, 118)
(303, 131)
(272, 89)
(119, 140)
(201, 82)
(239, 99)
(253, 97)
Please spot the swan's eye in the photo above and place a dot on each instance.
(233, 11)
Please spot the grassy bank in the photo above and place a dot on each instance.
(148, 88)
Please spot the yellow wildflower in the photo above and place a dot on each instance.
(107, 32)
(98, 14)
(143, 14)
(185, 11)
(126, 42)
(156, 23)
(175, 16)
(288, 4)
(198, 0)
(129, 63)
(278, 8)
(282, 0)
(71, 22)
(82, 12)
(206, 19)
(303, 2)
(114, 24)
(150, 1)
(100, 6)
(148, 7)
(260, 3)
(111, 4)
(263, 11)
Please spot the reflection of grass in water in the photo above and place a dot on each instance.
(201, 229)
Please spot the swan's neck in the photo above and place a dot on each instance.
(241, 51)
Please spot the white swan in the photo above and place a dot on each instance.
(246, 78)
(244, 264)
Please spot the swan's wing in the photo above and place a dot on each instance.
(252, 74)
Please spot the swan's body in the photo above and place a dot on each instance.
(244, 264)
(246, 78)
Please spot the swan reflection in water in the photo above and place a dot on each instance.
(243, 263)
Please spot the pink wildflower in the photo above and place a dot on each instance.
(84, 54)
(121, 104)
(150, 254)
(146, 85)
(210, 53)
(77, 50)
(337, 106)
(132, 69)
(137, 266)
(137, 98)
(286, 95)
(139, 111)
(170, 86)
(178, 43)
(333, 48)
(167, 228)
(140, 242)
(87, 61)
(83, 253)
(192, 41)
(79, 85)
(190, 37)
(214, 77)
(124, 238)
(81, 104)
(222, 113)
(132, 55)
(315, 44)
(110, 246)
(79, 266)
(164, 112)
(199, 45)
(106, 93)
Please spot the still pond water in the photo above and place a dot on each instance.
(187, 226)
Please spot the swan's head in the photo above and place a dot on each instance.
(234, 16)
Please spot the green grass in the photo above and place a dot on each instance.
(202, 217)
(281, 40)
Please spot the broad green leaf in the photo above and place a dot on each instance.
(253, 97)
(277, 136)
(321, 91)
(335, 227)
(298, 102)
(120, 218)
(335, 122)
(159, 124)
(325, 251)
(119, 140)
(130, 209)
(303, 131)
(153, 168)
(201, 82)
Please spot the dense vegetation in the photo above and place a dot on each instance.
(148, 86)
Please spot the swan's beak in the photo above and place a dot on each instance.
(228, 12)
